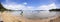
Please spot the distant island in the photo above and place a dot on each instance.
(54, 10)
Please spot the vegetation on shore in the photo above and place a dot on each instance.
(54, 10)
(2, 8)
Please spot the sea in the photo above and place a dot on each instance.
(35, 14)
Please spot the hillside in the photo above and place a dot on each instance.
(2, 8)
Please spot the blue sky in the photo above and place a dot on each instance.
(30, 4)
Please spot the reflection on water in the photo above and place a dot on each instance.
(39, 14)
(35, 13)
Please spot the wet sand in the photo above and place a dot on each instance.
(0, 17)
(8, 17)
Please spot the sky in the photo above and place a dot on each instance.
(30, 4)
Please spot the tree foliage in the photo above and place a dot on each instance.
(2, 8)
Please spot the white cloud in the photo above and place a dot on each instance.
(58, 6)
(25, 3)
(15, 6)
(47, 7)
(52, 6)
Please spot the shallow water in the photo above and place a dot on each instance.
(35, 13)
(39, 14)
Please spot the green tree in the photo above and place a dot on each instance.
(2, 8)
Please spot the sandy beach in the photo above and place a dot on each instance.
(0, 17)
(8, 17)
